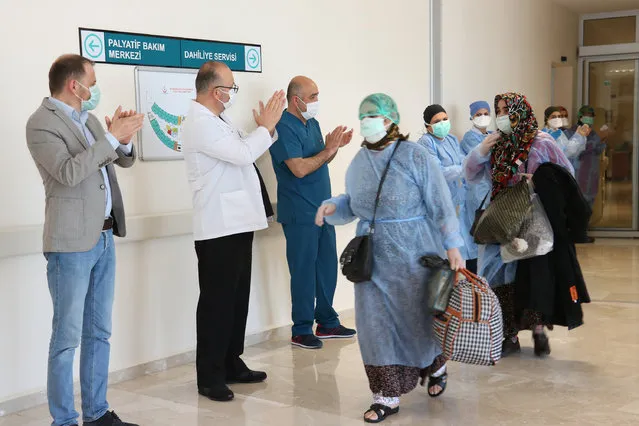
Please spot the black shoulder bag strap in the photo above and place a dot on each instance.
(379, 190)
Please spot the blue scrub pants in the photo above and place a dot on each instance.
(311, 252)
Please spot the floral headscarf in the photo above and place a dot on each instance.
(512, 150)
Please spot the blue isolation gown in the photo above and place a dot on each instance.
(477, 169)
(415, 215)
(572, 145)
(475, 192)
(588, 164)
(449, 157)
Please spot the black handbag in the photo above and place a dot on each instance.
(440, 283)
(478, 213)
(357, 259)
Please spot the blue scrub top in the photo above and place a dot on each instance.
(298, 199)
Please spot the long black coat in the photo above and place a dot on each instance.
(553, 284)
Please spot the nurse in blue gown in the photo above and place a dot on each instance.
(448, 155)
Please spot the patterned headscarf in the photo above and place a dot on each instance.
(512, 150)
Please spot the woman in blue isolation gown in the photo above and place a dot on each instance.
(572, 145)
(480, 116)
(447, 153)
(415, 217)
(518, 148)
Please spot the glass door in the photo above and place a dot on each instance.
(607, 171)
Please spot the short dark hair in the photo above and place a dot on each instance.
(294, 89)
(550, 110)
(64, 68)
(207, 75)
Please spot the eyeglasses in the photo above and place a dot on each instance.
(235, 88)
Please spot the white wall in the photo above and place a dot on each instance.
(350, 48)
(564, 87)
(496, 46)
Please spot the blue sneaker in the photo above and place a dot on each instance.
(340, 332)
(307, 341)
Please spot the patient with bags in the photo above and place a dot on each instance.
(416, 305)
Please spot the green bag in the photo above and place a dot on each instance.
(501, 221)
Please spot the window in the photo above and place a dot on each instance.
(602, 32)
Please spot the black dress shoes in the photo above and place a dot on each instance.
(109, 419)
(219, 393)
(247, 376)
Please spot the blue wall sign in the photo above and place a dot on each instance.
(114, 47)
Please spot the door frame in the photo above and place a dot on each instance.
(584, 93)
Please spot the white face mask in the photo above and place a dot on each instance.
(229, 103)
(555, 123)
(312, 109)
(373, 129)
(503, 124)
(482, 122)
(565, 122)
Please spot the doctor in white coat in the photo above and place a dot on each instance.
(227, 208)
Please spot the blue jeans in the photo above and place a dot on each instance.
(311, 252)
(81, 287)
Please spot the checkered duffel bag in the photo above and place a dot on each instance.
(471, 329)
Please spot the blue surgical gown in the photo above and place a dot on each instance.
(475, 191)
(415, 215)
(588, 164)
(448, 155)
(572, 145)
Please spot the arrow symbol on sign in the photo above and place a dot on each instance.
(93, 45)
(253, 58)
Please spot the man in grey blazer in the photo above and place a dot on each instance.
(84, 209)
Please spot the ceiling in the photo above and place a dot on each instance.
(598, 6)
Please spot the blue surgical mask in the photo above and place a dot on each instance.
(93, 100)
(441, 129)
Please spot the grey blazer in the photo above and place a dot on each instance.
(73, 184)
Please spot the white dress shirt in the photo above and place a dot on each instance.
(227, 198)
(80, 120)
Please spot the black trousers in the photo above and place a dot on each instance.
(224, 269)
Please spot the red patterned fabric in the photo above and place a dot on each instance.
(512, 150)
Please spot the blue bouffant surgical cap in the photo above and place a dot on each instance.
(476, 106)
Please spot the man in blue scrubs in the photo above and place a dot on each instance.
(300, 159)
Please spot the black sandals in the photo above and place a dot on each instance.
(437, 381)
(382, 412)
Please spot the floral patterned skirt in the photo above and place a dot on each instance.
(396, 380)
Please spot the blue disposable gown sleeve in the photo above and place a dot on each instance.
(451, 173)
(343, 214)
(437, 199)
(599, 146)
(476, 166)
(572, 147)
(545, 150)
(469, 142)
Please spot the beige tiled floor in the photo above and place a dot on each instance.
(591, 378)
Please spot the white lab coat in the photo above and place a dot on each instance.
(227, 198)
